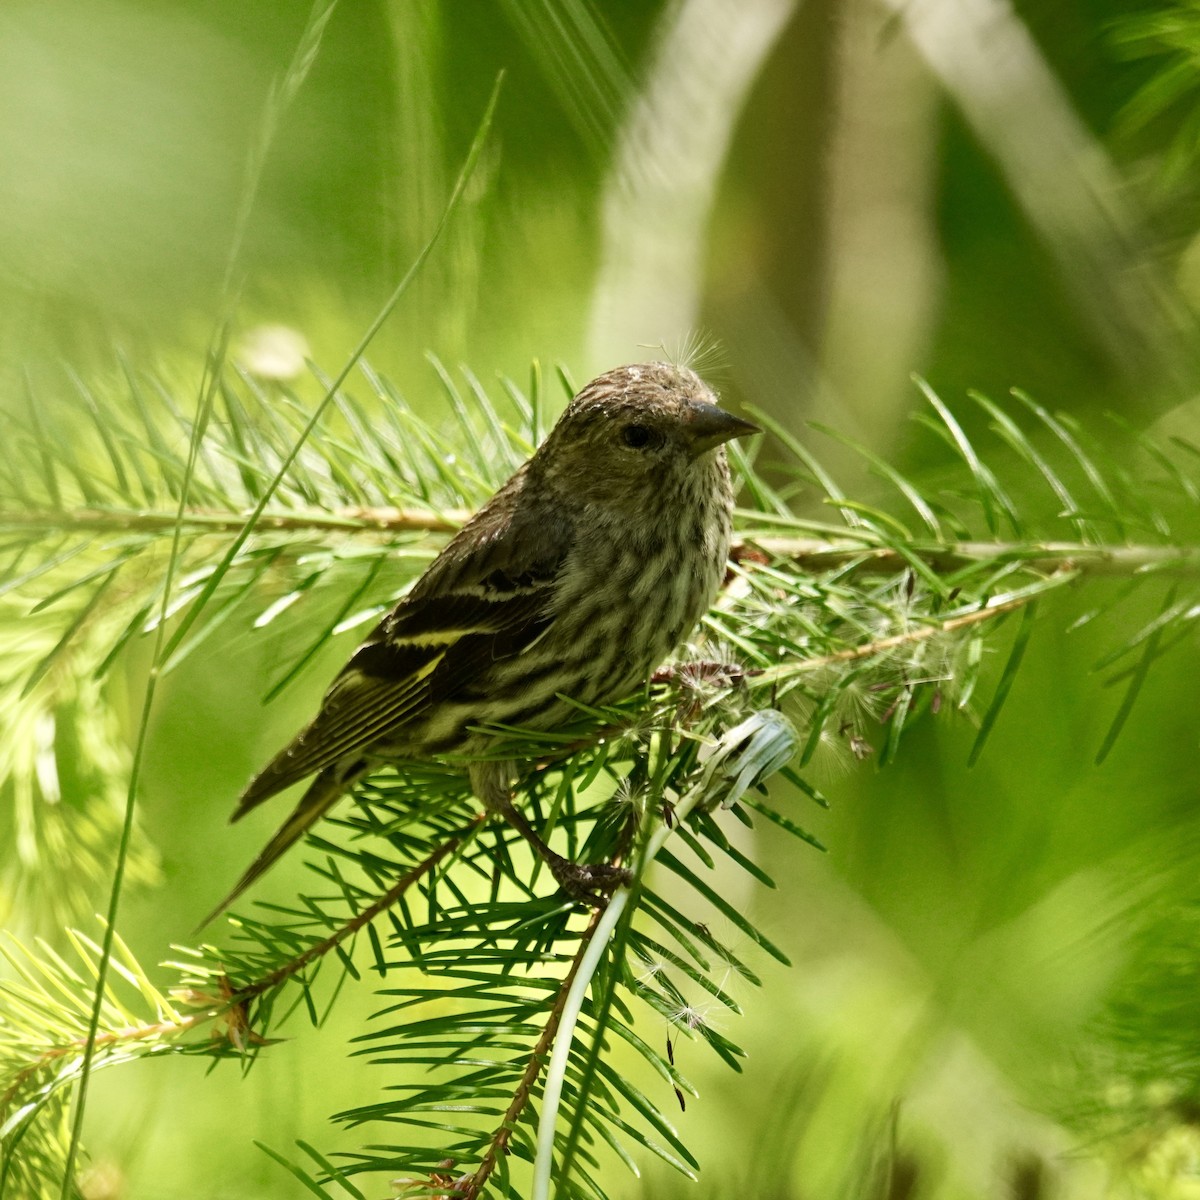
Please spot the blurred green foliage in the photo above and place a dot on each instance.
(995, 990)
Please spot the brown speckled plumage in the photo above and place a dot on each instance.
(579, 576)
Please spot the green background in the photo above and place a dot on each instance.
(985, 959)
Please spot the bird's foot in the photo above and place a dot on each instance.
(588, 883)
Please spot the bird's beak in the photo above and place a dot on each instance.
(708, 426)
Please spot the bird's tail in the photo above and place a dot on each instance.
(322, 793)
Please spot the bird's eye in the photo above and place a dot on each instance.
(637, 437)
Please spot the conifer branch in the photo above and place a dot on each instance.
(772, 675)
(152, 1031)
(474, 1184)
(201, 521)
(234, 1000)
(358, 921)
(948, 557)
(814, 554)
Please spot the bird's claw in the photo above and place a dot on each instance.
(589, 883)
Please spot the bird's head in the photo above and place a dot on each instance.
(637, 428)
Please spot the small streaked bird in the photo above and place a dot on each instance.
(577, 578)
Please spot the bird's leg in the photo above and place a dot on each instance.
(587, 882)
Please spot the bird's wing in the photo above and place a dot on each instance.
(486, 596)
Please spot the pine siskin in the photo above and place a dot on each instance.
(577, 578)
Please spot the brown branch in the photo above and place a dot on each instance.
(771, 675)
(197, 520)
(234, 1001)
(816, 554)
(470, 1187)
(111, 1037)
(368, 914)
